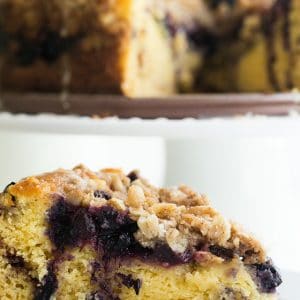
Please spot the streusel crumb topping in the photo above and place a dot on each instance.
(177, 216)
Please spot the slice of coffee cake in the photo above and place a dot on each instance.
(76, 234)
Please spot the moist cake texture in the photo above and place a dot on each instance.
(78, 234)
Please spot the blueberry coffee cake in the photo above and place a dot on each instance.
(149, 47)
(76, 234)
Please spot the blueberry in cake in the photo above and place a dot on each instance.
(76, 234)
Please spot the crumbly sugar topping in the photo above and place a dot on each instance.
(176, 216)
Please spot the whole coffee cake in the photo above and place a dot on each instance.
(93, 46)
